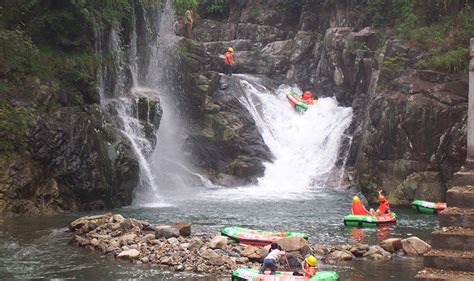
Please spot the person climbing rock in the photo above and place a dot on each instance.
(188, 21)
(275, 253)
(228, 61)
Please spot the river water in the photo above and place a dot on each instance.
(300, 191)
(37, 248)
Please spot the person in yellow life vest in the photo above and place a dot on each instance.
(188, 21)
(309, 266)
(228, 61)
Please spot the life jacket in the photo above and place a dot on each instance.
(306, 96)
(312, 270)
(228, 58)
(383, 206)
(358, 209)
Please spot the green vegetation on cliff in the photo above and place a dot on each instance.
(441, 28)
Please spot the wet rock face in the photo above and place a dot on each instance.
(409, 126)
(414, 137)
(75, 161)
(222, 136)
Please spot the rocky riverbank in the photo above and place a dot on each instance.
(175, 248)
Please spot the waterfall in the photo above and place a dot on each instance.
(136, 71)
(305, 146)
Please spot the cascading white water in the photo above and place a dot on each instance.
(305, 146)
(140, 62)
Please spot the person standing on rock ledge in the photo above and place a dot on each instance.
(188, 21)
(228, 61)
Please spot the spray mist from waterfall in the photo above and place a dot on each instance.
(305, 146)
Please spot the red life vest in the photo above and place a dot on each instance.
(311, 270)
(383, 206)
(228, 58)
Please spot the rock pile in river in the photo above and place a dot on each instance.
(175, 248)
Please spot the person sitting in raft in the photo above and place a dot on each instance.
(275, 253)
(309, 266)
(358, 208)
(384, 206)
(307, 96)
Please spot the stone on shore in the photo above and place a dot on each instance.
(414, 246)
(184, 228)
(131, 254)
(166, 231)
(218, 242)
(291, 244)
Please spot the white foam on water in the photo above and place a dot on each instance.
(305, 146)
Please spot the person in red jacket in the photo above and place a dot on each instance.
(384, 206)
(228, 61)
(358, 208)
(307, 96)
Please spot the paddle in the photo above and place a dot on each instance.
(288, 263)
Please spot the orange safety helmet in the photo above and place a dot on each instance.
(308, 93)
(382, 198)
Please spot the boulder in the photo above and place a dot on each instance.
(118, 218)
(414, 246)
(82, 241)
(338, 256)
(166, 231)
(218, 242)
(127, 238)
(131, 254)
(78, 223)
(184, 228)
(377, 253)
(392, 244)
(208, 254)
(173, 241)
(290, 244)
(248, 251)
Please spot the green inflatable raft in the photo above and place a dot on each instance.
(257, 237)
(426, 207)
(369, 221)
(249, 274)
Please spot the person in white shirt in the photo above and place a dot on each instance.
(273, 256)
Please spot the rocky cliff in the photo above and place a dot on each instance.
(409, 125)
(222, 137)
(59, 150)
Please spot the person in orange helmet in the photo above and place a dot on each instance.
(358, 208)
(384, 206)
(228, 61)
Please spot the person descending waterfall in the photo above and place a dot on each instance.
(273, 256)
(307, 96)
(228, 61)
(358, 208)
(384, 206)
